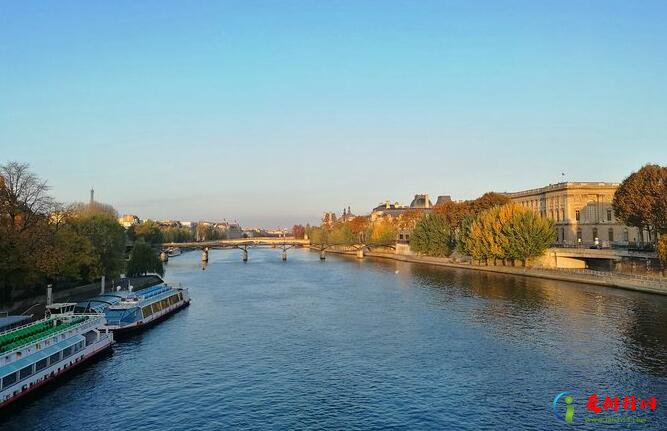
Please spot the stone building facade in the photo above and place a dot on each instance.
(581, 213)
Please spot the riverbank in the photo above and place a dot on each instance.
(608, 280)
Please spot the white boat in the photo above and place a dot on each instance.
(145, 307)
(39, 352)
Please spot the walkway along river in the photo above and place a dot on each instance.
(370, 344)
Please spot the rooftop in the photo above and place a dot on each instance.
(563, 186)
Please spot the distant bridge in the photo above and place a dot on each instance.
(242, 244)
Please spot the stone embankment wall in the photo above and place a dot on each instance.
(610, 279)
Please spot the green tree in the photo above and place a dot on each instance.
(107, 237)
(75, 257)
(341, 234)
(149, 231)
(144, 260)
(432, 236)
(641, 200)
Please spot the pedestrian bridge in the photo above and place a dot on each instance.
(242, 244)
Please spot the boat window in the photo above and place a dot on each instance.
(9, 380)
(147, 311)
(180, 296)
(54, 358)
(25, 372)
(67, 351)
(40, 365)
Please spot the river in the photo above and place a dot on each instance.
(372, 344)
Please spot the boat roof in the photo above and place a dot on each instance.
(39, 355)
(147, 296)
(101, 302)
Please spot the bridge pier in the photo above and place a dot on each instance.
(204, 255)
(284, 255)
(245, 254)
(360, 253)
(322, 256)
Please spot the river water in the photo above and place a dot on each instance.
(373, 344)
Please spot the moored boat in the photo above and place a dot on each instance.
(144, 307)
(37, 353)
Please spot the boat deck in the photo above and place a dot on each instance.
(36, 331)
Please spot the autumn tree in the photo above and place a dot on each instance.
(298, 231)
(641, 200)
(508, 232)
(432, 236)
(382, 232)
(528, 235)
(662, 251)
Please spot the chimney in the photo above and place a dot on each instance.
(92, 195)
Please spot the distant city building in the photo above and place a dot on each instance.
(329, 218)
(127, 220)
(443, 199)
(420, 203)
(582, 213)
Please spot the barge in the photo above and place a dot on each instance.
(37, 353)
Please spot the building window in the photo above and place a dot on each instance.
(562, 212)
(577, 215)
(578, 235)
(595, 233)
(611, 235)
(625, 235)
(609, 215)
(562, 235)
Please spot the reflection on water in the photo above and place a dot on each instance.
(370, 344)
(523, 306)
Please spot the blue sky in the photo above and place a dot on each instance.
(272, 112)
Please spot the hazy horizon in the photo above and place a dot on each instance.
(271, 115)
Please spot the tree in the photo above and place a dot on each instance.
(641, 200)
(341, 234)
(432, 236)
(144, 260)
(662, 251)
(298, 231)
(528, 235)
(382, 232)
(318, 235)
(508, 232)
(75, 257)
(23, 196)
(25, 233)
(148, 231)
(486, 201)
(107, 237)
